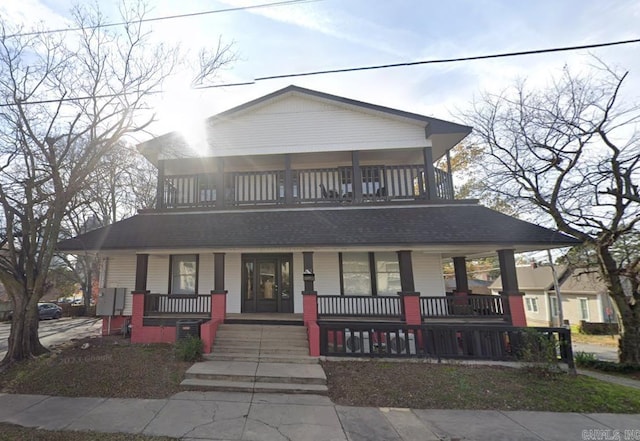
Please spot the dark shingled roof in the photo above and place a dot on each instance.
(454, 224)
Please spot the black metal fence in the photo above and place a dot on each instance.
(360, 306)
(450, 341)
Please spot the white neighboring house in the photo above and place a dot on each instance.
(304, 191)
(584, 296)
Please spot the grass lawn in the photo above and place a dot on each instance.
(109, 367)
(9, 432)
(112, 367)
(457, 386)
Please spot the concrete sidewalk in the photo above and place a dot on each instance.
(279, 417)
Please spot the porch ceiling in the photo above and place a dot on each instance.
(453, 229)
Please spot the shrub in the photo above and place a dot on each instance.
(582, 359)
(539, 351)
(591, 362)
(189, 349)
(592, 328)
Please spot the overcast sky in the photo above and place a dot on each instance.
(329, 34)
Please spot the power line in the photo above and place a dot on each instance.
(450, 60)
(362, 68)
(166, 17)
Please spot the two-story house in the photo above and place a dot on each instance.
(304, 192)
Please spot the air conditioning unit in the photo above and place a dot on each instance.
(187, 328)
(398, 342)
(356, 342)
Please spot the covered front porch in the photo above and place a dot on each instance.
(157, 317)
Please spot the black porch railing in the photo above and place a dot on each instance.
(388, 307)
(157, 304)
(471, 305)
(450, 341)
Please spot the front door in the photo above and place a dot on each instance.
(267, 283)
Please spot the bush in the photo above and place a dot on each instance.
(588, 360)
(539, 351)
(582, 359)
(592, 328)
(189, 349)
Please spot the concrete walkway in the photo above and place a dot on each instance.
(280, 417)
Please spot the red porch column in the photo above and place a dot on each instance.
(309, 306)
(137, 316)
(411, 307)
(218, 305)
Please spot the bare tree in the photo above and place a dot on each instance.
(568, 155)
(66, 101)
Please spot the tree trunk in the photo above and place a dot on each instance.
(629, 347)
(23, 340)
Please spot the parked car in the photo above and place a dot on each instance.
(49, 311)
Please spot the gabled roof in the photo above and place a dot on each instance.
(444, 133)
(540, 278)
(460, 226)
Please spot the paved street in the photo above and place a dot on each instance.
(602, 352)
(54, 332)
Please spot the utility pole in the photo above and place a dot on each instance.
(556, 288)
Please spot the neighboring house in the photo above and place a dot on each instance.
(306, 203)
(476, 286)
(584, 295)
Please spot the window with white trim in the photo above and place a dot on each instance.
(183, 277)
(366, 274)
(532, 304)
(554, 306)
(584, 308)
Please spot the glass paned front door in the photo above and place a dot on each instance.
(266, 283)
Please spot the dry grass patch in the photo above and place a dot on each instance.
(108, 367)
(10, 432)
(452, 386)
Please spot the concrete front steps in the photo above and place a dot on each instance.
(259, 358)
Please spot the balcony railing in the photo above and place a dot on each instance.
(468, 306)
(307, 186)
(158, 304)
(360, 306)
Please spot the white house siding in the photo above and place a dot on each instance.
(158, 274)
(327, 269)
(205, 273)
(121, 273)
(298, 282)
(541, 317)
(294, 124)
(427, 274)
(233, 280)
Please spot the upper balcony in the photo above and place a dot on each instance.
(344, 178)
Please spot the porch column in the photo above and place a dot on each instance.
(138, 297)
(310, 304)
(460, 272)
(221, 191)
(356, 178)
(410, 298)
(512, 298)
(219, 294)
(309, 295)
(160, 186)
(142, 264)
(429, 174)
(288, 180)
